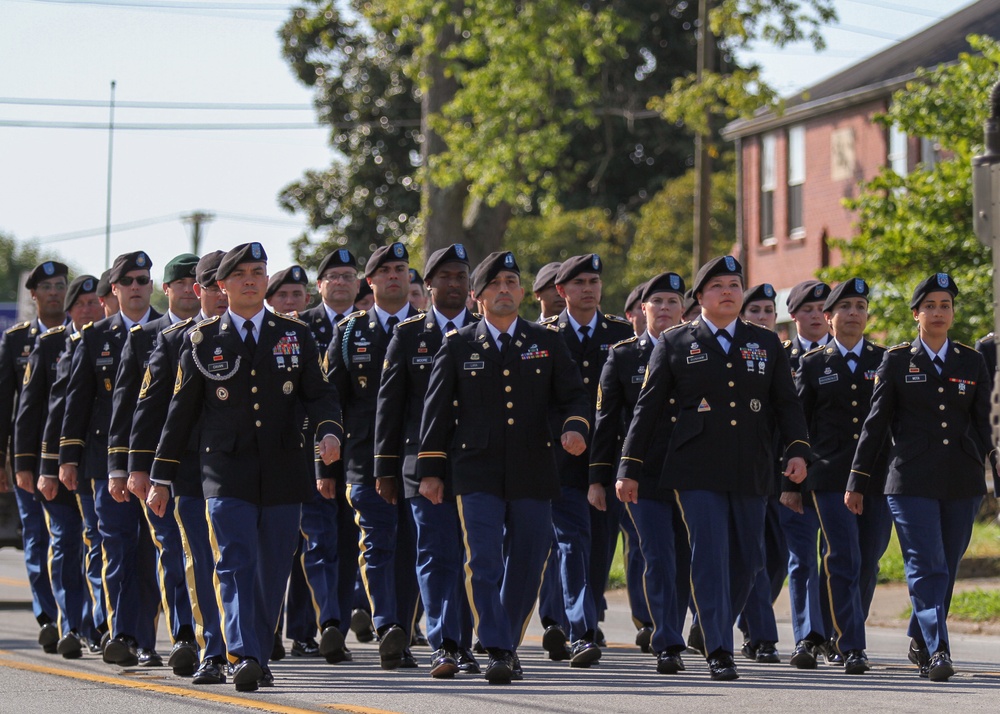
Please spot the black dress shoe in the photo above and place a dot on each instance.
(183, 658)
(584, 653)
(748, 650)
(721, 668)
(418, 639)
(148, 658)
(804, 655)
(266, 678)
(832, 653)
(516, 673)
(767, 653)
(444, 664)
(918, 654)
(48, 638)
(940, 667)
(599, 638)
(856, 662)
(467, 663)
(478, 648)
(331, 641)
(696, 641)
(643, 637)
(361, 625)
(408, 661)
(121, 651)
(247, 674)
(210, 671)
(94, 645)
(669, 663)
(392, 643)
(500, 668)
(277, 649)
(554, 642)
(341, 655)
(305, 648)
(70, 646)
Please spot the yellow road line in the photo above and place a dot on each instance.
(204, 696)
(13, 581)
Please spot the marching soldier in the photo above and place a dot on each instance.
(288, 291)
(486, 421)
(550, 302)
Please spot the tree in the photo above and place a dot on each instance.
(916, 225)
(15, 259)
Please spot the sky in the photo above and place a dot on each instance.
(54, 181)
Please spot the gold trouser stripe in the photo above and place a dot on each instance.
(190, 579)
(48, 568)
(645, 569)
(164, 602)
(305, 576)
(215, 583)
(531, 611)
(86, 558)
(687, 529)
(362, 563)
(826, 566)
(108, 608)
(468, 567)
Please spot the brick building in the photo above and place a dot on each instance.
(794, 170)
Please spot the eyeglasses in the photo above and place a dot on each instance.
(127, 280)
(339, 277)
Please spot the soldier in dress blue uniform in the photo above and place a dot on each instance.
(932, 398)
(585, 534)
(65, 527)
(288, 291)
(657, 525)
(987, 347)
(388, 552)
(131, 590)
(550, 302)
(47, 285)
(408, 363)
(416, 294)
(733, 387)
(188, 500)
(835, 385)
(247, 375)
(486, 422)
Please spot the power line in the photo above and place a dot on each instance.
(858, 30)
(897, 8)
(142, 223)
(174, 5)
(102, 104)
(30, 124)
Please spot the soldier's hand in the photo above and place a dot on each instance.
(117, 487)
(48, 486)
(157, 499)
(387, 489)
(25, 481)
(796, 471)
(855, 502)
(329, 449)
(4, 481)
(574, 443)
(792, 500)
(68, 475)
(596, 497)
(327, 487)
(432, 488)
(627, 490)
(138, 483)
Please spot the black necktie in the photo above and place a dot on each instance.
(504, 343)
(721, 335)
(391, 323)
(449, 327)
(939, 363)
(249, 340)
(584, 335)
(852, 360)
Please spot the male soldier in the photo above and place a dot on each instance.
(987, 347)
(550, 302)
(108, 299)
(416, 294)
(130, 584)
(835, 385)
(660, 535)
(365, 298)
(47, 284)
(188, 498)
(355, 360)
(408, 362)
(247, 375)
(634, 312)
(732, 386)
(584, 534)
(810, 618)
(182, 304)
(65, 527)
(338, 286)
(288, 291)
(487, 420)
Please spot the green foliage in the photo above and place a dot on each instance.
(976, 605)
(913, 226)
(776, 22)
(733, 95)
(15, 258)
(985, 543)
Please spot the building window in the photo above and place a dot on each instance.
(843, 162)
(768, 184)
(796, 177)
(898, 160)
(930, 153)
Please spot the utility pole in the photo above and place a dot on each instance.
(702, 158)
(196, 219)
(107, 214)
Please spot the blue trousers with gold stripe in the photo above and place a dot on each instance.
(192, 520)
(312, 590)
(604, 529)
(506, 546)
(572, 526)
(801, 533)
(635, 566)
(65, 528)
(933, 535)
(254, 545)
(439, 569)
(171, 568)
(388, 557)
(726, 534)
(95, 607)
(35, 538)
(551, 609)
(757, 619)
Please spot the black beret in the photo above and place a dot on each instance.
(663, 283)
(104, 284)
(454, 253)
(81, 285)
(292, 275)
(806, 291)
(341, 258)
(182, 266)
(44, 271)
(207, 267)
(723, 265)
(492, 266)
(764, 291)
(128, 262)
(939, 282)
(571, 267)
(364, 290)
(386, 254)
(634, 296)
(855, 287)
(546, 276)
(690, 301)
(243, 253)
(415, 278)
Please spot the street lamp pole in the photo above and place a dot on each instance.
(107, 215)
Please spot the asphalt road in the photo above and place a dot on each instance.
(624, 681)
